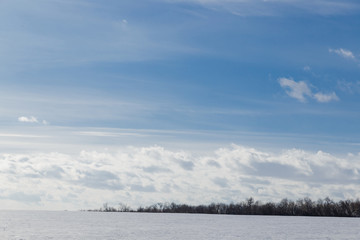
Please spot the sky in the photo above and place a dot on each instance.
(186, 101)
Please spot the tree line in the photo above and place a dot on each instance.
(300, 207)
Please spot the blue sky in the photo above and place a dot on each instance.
(189, 77)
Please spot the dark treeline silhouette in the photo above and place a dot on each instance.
(301, 207)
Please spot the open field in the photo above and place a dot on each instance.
(31, 225)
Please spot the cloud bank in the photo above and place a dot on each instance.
(146, 175)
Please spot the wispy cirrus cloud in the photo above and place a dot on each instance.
(94, 38)
(321, 97)
(307, 68)
(301, 91)
(352, 87)
(343, 53)
(277, 7)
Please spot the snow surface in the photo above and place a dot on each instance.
(31, 225)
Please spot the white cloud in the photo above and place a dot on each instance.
(343, 53)
(31, 119)
(321, 97)
(352, 87)
(300, 91)
(146, 175)
(297, 90)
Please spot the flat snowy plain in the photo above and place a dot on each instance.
(31, 225)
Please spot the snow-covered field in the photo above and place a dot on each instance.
(95, 225)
